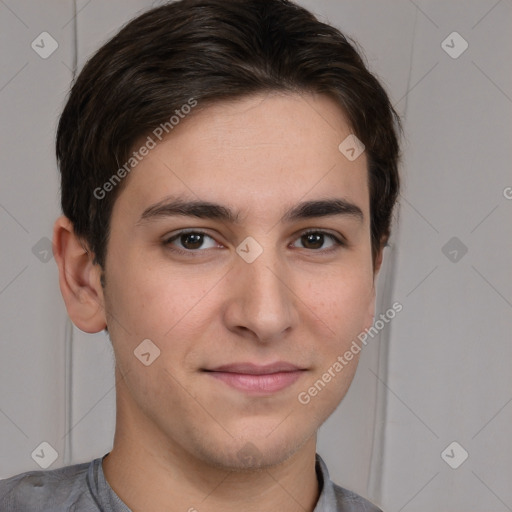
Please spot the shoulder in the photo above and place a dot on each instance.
(63, 489)
(351, 502)
(335, 498)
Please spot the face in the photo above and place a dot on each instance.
(251, 280)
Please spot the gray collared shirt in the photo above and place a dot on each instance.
(83, 488)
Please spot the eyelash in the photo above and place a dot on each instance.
(338, 242)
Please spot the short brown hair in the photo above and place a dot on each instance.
(212, 50)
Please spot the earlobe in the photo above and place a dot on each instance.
(379, 257)
(79, 278)
(370, 314)
(376, 268)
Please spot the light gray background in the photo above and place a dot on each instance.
(439, 372)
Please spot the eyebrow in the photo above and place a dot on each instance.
(170, 207)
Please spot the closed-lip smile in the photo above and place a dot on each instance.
(260, 379)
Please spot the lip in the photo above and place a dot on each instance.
(256, 369)
(257, 379)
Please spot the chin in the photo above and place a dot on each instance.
(248, 453)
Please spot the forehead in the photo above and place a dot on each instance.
(253, 154)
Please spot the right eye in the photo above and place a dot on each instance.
(190, 241)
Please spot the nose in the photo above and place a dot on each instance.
(261, 303)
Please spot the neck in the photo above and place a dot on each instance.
(148, 471)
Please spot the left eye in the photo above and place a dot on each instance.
(316, 239)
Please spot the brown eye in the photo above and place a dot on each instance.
(190, 241)
(315, 240)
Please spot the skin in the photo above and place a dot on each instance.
(180, 432)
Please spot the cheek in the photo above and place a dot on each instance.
(167, 307)
(342, 302)
(144, 297)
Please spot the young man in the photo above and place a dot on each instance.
(229, 171)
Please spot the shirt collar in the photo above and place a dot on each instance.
(326, 501)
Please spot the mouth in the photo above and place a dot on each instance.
(257, 379)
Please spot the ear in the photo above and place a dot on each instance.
(79, 278)
(379, 257)
(370, 314)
